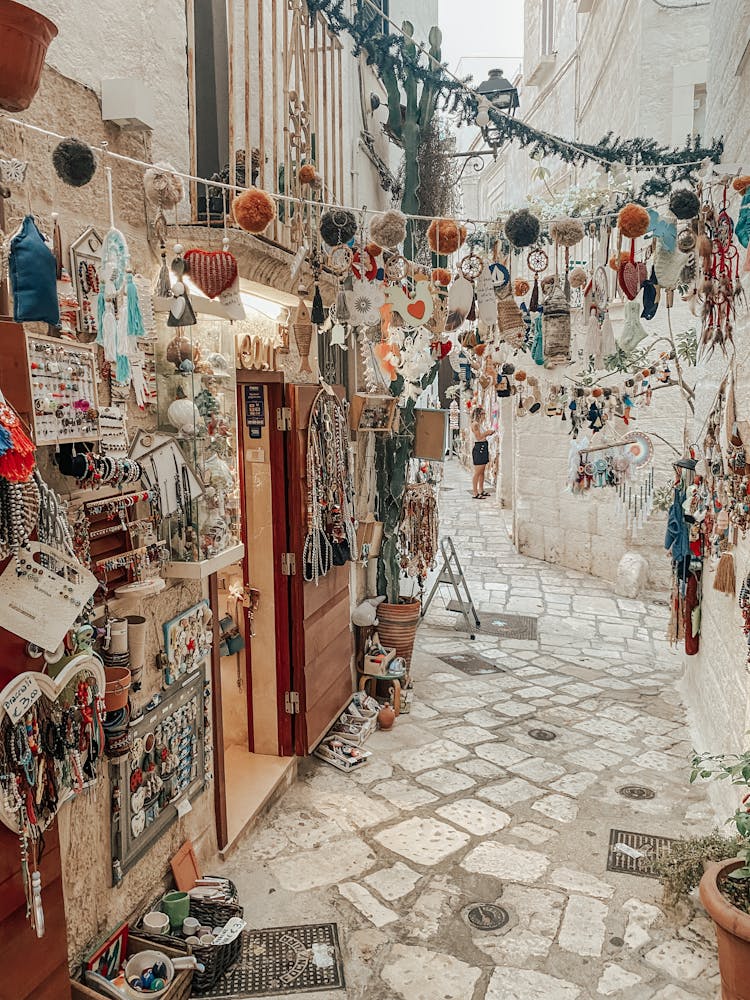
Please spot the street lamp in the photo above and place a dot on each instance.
(499, 92)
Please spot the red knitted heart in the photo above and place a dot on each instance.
(212, 271)
(630, 277)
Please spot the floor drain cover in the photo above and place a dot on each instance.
(488, 917)
(505, 626)
(633, 853)
(542, 734)
(283, 960)
(636, 792)
(469, 663)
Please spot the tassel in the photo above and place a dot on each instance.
(135, 319)
(109, 333)
(472, 313)
(122, 374)
(162, 285)
(122, 332)
(100, 319)
(534, 300)
(725, 580)
(17, 462)
(537, 348)
(317, 315)
(342, 308)
(5, 441)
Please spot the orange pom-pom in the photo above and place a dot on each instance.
(633, 220)
(441, 276)
(520, 287)
(306, 173)
(614, 263)
(253, 210)
(741, 184)
(479, 349)
(520, 376)
(597, 392)
(445, 236)
(374, 250)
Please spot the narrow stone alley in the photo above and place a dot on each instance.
(502, 786)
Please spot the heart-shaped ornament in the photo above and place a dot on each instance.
(212, 271)
(630, 277)
(417, 309)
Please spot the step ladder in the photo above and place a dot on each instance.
(452, 574)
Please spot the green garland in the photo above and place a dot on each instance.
(389, 53)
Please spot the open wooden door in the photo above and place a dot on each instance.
(321, 637)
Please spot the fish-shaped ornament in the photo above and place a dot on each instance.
(460, 301)
(303, 331)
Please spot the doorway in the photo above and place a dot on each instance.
(251, 603)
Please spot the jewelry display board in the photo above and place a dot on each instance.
(62, 378)
(164, 768)
(85, 261)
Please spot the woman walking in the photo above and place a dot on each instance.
(480, 453)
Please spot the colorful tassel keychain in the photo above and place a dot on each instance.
(17, 459)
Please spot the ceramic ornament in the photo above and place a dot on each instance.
(303, 330)
(416, 309)
(460, 300)
(486, 302)
(363, 303)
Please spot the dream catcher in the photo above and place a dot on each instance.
(537, 262)
(635, 489)
(721, 284)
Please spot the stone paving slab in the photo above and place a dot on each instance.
(459, 805)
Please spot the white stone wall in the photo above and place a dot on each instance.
(144, 40)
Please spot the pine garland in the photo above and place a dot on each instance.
(391, 53)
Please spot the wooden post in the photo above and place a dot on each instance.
(4, 298)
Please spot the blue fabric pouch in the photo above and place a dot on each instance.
(33, 277)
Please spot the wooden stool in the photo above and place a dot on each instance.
(364, 679)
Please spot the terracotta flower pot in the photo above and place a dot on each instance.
(397, 627)
(25, 36)
(732, 932)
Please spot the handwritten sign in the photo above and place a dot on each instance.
(25, 694)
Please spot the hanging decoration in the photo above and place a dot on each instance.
(74, 162)
(254, 210)
(331, 525)
(418, 530)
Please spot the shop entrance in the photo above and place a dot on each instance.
(254, 736)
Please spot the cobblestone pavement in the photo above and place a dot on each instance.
(460, 805)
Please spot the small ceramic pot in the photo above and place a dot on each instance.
(156, 922)
(386, 717)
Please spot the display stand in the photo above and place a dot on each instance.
(452, 574)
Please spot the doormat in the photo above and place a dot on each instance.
(283, 960)
(470, 663)
(497, 623)
(640, 851)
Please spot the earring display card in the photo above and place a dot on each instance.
(164, 769)
(85, 261)
(62, 378)
(187, 641)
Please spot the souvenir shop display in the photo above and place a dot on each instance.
(63, 380)
(197, 409)
(51, 742)
(187, 641)
(85, 261)
(331, 525)
(418, 531)
(624, 465)
(164, 764)
(340, 754)
(373, 412)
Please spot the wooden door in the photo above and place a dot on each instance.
(321, 641)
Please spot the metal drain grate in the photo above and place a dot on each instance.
(648, 847)
(638, 792)
(283, 960)
(505, 626)
(545, 735)
(487, 917)
(470, 663)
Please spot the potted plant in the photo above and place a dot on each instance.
(725, 884)
(26, 35)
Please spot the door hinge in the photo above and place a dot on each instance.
(288, 563)
(283, 418)
(291, 702)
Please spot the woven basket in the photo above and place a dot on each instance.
(510, 321)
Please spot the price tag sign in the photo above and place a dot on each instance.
(24, 694)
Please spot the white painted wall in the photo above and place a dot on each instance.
(145, 40)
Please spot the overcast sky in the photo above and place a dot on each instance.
(491, 31)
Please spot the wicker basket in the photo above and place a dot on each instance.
(181, 988)
(216, 958)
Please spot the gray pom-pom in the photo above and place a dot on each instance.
(388, 229)
(684, 203)
(337, 225)
(163, 187)
(74, 162)
(522, 228)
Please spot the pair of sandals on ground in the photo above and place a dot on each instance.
(480, 496)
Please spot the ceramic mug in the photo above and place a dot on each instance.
(177, 907)
(193, 940)
(156, 922)
(190, 926)
(207, 939)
